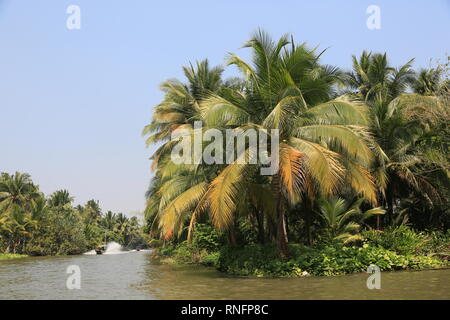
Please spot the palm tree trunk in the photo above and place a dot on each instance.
(231, 237)
(260, 222)
(378, 222)
(308, 213)
(390, 205)
(271, 230)
(191, 227)
(282, 240)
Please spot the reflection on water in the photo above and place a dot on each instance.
(136, 276)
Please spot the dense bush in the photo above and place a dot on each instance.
(404, 240)
(61, 233)
(258, 260)
(206, 237)
(394, 249)
(185, 253)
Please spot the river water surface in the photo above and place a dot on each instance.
(134, 275)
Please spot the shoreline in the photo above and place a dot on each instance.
(11, 256)
(261, 262)
(170, 261)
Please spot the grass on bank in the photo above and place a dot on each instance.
(9, 256)
(393, 249)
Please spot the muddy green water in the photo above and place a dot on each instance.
(135, 275)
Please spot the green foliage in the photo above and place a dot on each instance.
(404, 240)
(342, 221)
(258, 260)
(155, 243)
(206, 237)
(185, 253)
(61, 232)
(204, 248)
(9, 256)
(32, 224)
(378, 133)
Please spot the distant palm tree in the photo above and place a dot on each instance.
(398, 122)
(60, 198)
(429, 82)
(109, 220)
(92, 211)
(125, 228)
(399, 126)
(17, 190)
(372, 75)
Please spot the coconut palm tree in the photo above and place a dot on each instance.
(180, 106)
(60, 198)
(17, 190)
(323, 139)
(109, 220)
(373, 75)
(398, 122)
(428, 82)
(400, 127)
(179, 109)
(22, 224)
(92, 211)
(343, 221)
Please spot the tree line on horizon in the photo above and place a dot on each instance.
(360, 149)
(33, 224)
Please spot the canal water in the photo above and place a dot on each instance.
(135, 275)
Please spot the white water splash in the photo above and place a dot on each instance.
(114, 248)
(111, 248)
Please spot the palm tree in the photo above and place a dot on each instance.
(5, 224)
(180, 107)
(109, 220)
(92, 211)
(60, 198)
(398, 122)
(17, 190)
(372, 75)
(122, 228)
(324, 142)
(21, 208)
(21, 224)
(343, 221)
(428, 82)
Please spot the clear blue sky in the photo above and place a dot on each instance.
(73, 103)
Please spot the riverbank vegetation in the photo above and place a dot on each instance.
(33, 224)
(9, 256)
(363, 164)
(395, 248)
